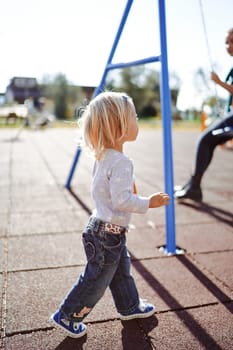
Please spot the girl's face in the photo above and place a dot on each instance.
(229, 44)
(132, 131)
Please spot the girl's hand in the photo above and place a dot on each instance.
(158, 200)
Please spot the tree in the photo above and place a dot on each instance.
(143, 85)
(65, 96)
(61, 96)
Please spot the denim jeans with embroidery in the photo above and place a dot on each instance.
(108, 265)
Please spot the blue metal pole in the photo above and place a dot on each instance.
(102, 82)
(167, 136)
(114, 46)
(112, 66)
(75, 161)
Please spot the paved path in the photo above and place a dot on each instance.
(41, 253)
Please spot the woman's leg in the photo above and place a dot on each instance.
(207, 143)
(204, 154)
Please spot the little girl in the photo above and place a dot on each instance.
(109, 121)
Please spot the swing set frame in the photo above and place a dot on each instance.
(170, 247)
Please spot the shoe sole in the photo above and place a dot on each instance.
(51, 320)
(134, 316)
(179, 195)
(178, 188)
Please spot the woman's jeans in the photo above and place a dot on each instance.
(207, 143)
(108, 265)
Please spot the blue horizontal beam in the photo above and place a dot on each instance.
(133, 63)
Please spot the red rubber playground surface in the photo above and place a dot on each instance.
(41, 254)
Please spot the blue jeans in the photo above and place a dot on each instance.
(208, 142)
(108, 265)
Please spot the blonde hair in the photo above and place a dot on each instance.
(105, 120)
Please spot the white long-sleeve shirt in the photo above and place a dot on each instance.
(112, 189)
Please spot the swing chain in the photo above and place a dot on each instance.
(218, 108)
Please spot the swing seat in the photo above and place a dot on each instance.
(226, 131)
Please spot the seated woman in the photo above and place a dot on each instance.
(217, 134)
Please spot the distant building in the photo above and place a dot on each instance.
(21, 88)
(88, 91)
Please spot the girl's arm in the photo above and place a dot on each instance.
(123, 198)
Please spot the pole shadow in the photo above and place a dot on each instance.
(215, 290)
(130, 336)
(83, 205)
(192, 325)
(219, 214)
(72, 344)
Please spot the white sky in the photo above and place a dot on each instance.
(74, 37)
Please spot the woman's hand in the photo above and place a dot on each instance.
(215, 77)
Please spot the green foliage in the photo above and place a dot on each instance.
(139, 82)
(64, 95)
(143, 85)
(61, 96)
